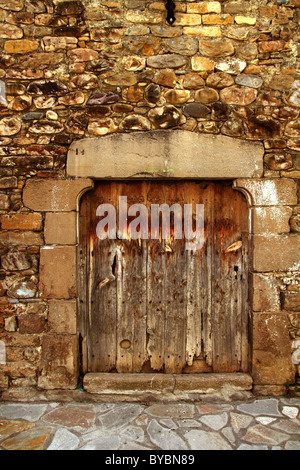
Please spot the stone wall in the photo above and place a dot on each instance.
(78, 69)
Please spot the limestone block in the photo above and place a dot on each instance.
(58, 272)
(162, 153)
(60, 228)
(272, 363)
(275, 192)
(266, 296)
(276, 252)
(54, 195)
(271, 220)
(204, 7)
(58, 367)
(62, 316)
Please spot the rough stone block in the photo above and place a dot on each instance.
(22, 222)
(8, 182)
(20, 46)
(276, 253)
(204, 7)
(62, 316)
(271, 220)
(3, 382)
(58, 272)
(275, 192)
(21, 238)
(54, 195)
(60, 228)
(31, 324)
(266, 295)
(58, 368)
(272, 352)
(291, 301)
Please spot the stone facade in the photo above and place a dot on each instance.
(111, 73)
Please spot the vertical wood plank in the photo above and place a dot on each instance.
(156, 271)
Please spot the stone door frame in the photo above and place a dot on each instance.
(143, 155)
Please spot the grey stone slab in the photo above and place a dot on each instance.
(240, 421)
(266, 407)
(30, 412)
(216, 421)
(171, 411)
(64, 440)
(202, 440)
(105, 442)
(134, 433)
(292, 445)
(291, 426)
(164, 438)
(120, 416)
(249, 447)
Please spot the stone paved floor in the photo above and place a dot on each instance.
(265, 423)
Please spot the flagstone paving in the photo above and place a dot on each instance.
(258, 424)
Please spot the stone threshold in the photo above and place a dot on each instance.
(169, 386)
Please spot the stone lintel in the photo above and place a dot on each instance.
(162, 153)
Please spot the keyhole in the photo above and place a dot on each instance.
(113, 267)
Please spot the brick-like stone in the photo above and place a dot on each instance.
(21, 222)
(271, 220)
(62, 316)
(58, 272)
(54, 195)
(20, 46)
(60, 228)
(58, 367)
(217, 19)
(203, 31)
(21, 238)
(202, 64)
(31, 324)
(204, 7)
(276, 253)
(9, 182)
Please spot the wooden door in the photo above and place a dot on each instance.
(151, 305)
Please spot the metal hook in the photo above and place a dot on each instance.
(170, 5)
